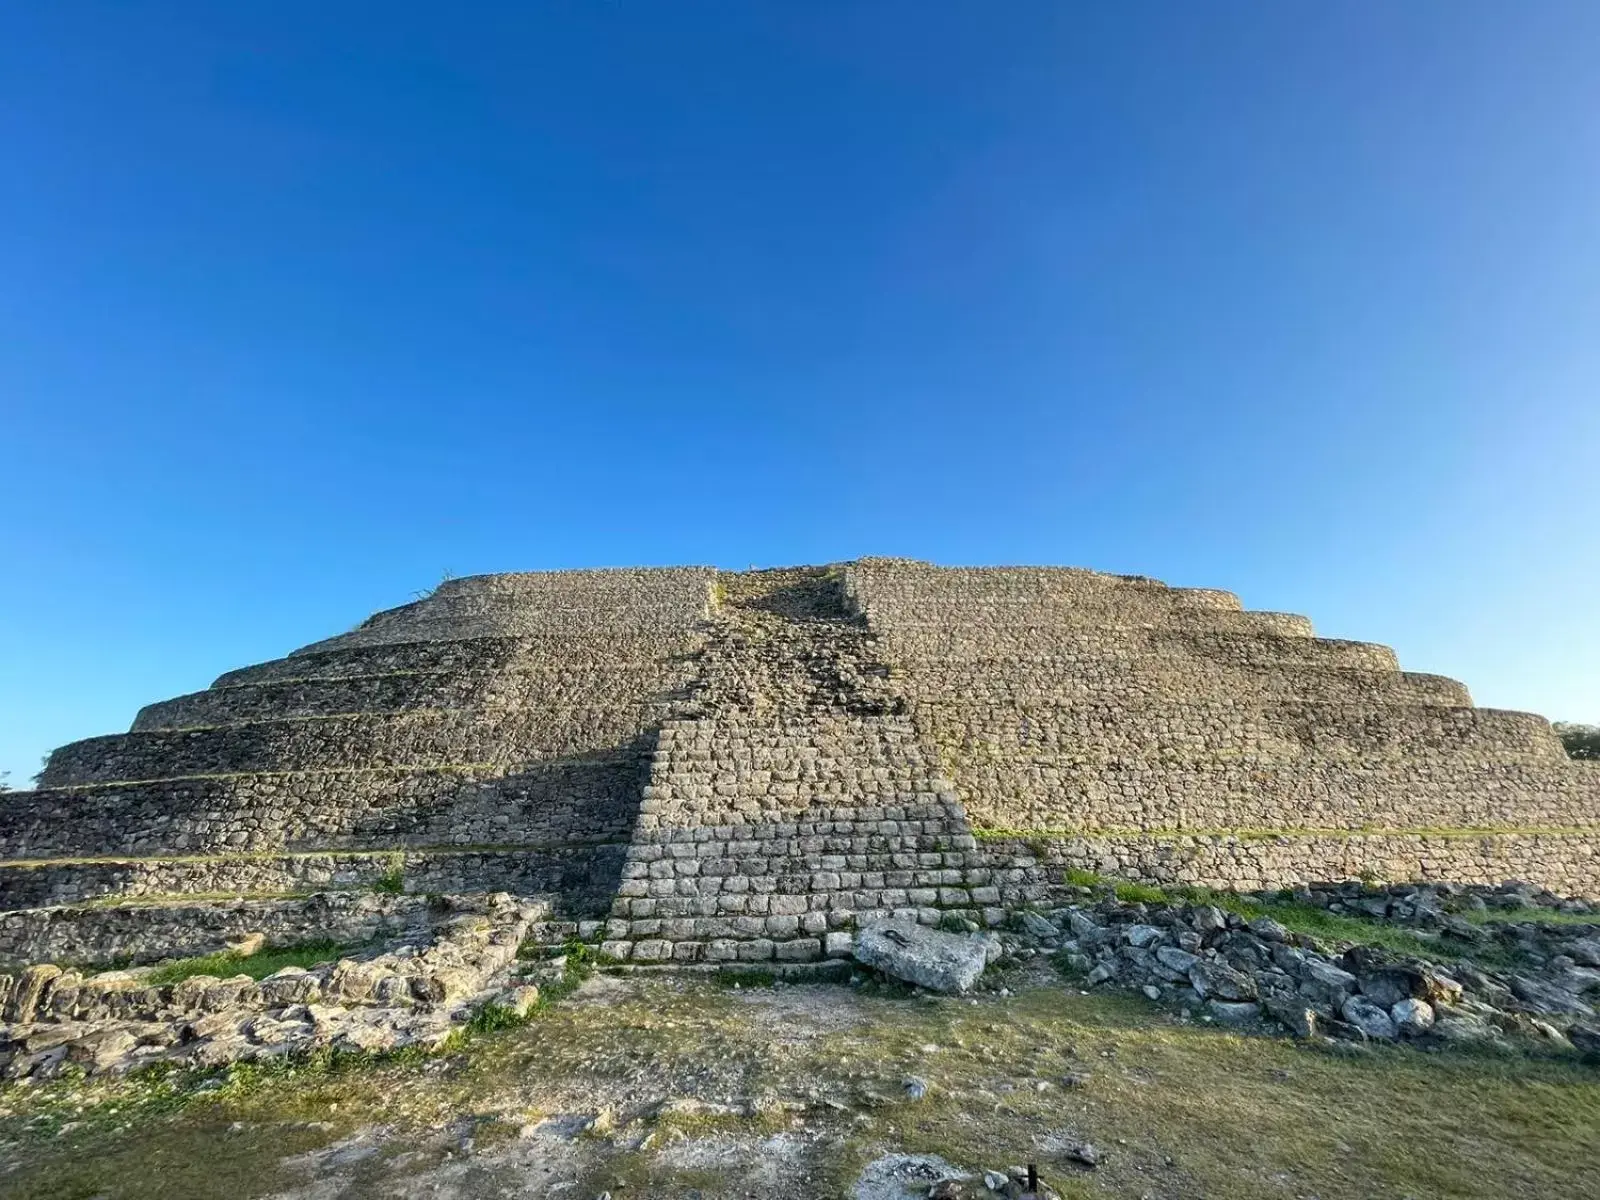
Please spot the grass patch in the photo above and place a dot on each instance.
(1140, 893)
(1182, 1110)
(1317, 922)
(1338, 927)
(491, 1018)
(393, 881)
(257, 966)
(1538, 916)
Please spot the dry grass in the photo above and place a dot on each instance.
(1181, 1111)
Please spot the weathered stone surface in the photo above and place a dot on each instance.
(1326, 984)
(1233, 1012)
(1036, 925)
(1412, 1017)
(745, 767)
(941, 962)
(1542, 996)
(1369, 1017)
(1222, 982)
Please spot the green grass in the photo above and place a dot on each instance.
(1337, 927)
(1140, 893)
(258, 966)
(1539, 916)
(1305, 918)
(393, 881)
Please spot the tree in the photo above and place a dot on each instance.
(1581, 741)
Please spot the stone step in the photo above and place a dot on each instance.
(827, 970)
(584, 876)
(578, 799)
(902, 580)
(421, 739)
(683, 585)
(1246, 728)
(1106, 594)
(1208, 794)
(513, 622)
(1038, 679)
(1065, 617)
(907, 649)
(468, 654)
(567, 688)
(154, 928)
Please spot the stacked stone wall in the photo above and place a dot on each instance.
(562, 686)
(575, 800)
(139, 933)
(420, 738)
(759, 840)
(1063, 704)
(802, 803)
(585, 875)
(516, 713)
(624, 645)
(1568, 863)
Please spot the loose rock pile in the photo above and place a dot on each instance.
(1223, 967)
(410, 994)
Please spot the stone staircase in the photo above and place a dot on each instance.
(794, 798)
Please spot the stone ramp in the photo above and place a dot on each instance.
(805, 803)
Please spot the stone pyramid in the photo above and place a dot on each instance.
(703, 765)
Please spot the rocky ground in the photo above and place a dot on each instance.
(1350, 962)
(644, 1084)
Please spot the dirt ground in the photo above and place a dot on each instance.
(687, 1086)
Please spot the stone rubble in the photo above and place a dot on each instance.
(915, 954)
(410, 995)
(1223, 967)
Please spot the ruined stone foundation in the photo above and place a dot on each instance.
(696, 765)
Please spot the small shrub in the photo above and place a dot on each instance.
(492, 1018)
(391, 883)
(1078, 877)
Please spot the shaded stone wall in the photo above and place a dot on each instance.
(577, 799)
(500, 711)
(135, 934)
(584, 873)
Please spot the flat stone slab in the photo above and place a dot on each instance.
(938, 961)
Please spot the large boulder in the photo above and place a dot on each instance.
(940, 962)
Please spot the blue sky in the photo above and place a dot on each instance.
(303, 305)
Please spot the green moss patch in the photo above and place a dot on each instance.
(258, 965)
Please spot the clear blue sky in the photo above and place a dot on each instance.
(302, 305)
